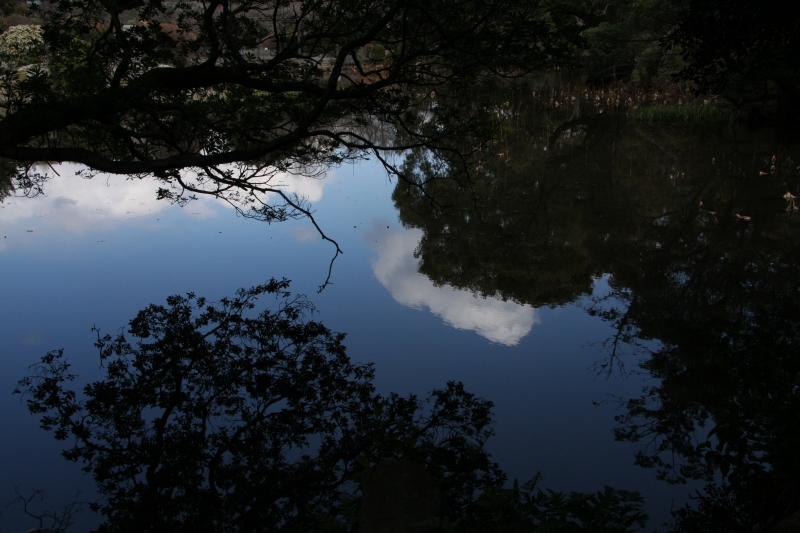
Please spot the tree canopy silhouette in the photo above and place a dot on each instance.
(154, 87)
(219, 419)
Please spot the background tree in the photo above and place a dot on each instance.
(621, 40)
(745, 51)
(22, 45)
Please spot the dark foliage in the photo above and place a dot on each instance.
(530, 508)
(155, 87)
(744, 50)
(696, 232)
(214, 419)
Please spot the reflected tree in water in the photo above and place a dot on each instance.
(697, 242)
(214, 417)
(723, 305)
(507, 227)
(712, 279)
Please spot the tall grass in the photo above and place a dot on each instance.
(686, 114)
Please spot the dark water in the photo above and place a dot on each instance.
(625, 293)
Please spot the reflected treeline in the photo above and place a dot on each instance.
(217, 417)
(725, 311)
(695, 228)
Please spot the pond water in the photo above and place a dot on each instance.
(582, 271)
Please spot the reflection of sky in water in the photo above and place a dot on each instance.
(95, 251)
(396, 268)
(102, 203)
(102, 249)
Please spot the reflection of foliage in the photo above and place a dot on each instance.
(717, 302)
(168, 428)
(698, 247)
(448, 437)
(219, 419)
(216, 420)
(8, 170)
(219, 101)
(20, 180)
(719, 293)
(729, 322)
(506, 229)
(509, 250)
(727, 509)
(54, 521)
(555, 198)
(705, 267)
(527, 507)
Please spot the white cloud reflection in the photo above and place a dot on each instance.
(310, 189)
(396, 268)
(78, 205)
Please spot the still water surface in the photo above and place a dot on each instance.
(579, 263)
